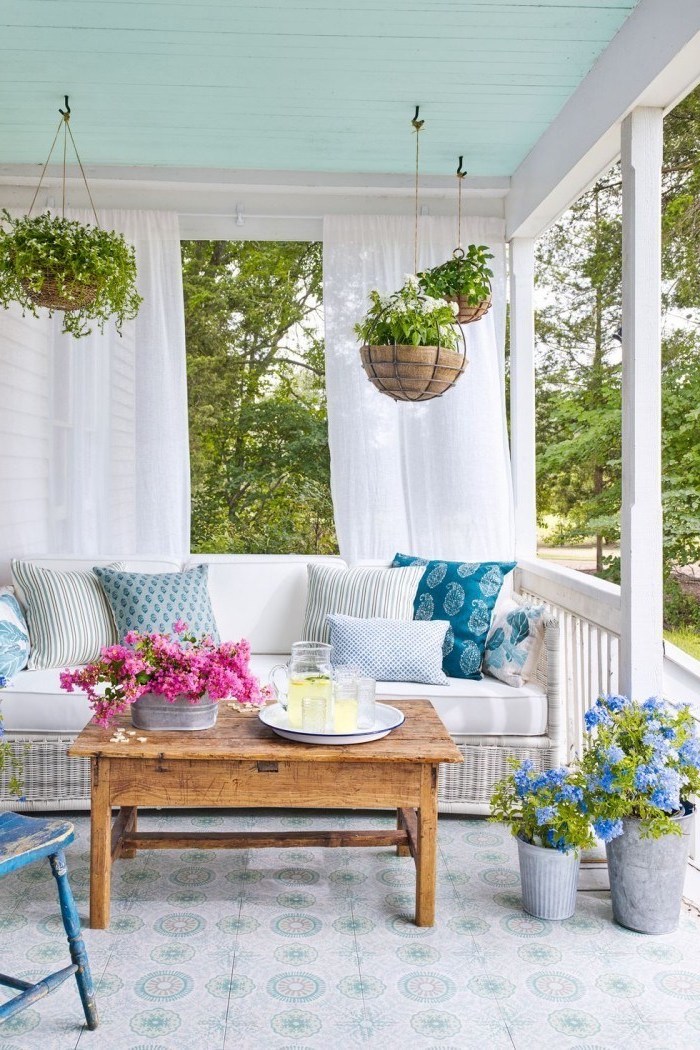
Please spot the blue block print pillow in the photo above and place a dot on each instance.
(152, 602)
(14, 638)
(463, 592)
(515, 642)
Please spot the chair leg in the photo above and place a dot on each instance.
(78, 953)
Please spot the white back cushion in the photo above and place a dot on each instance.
(64, 563)
(259, 597)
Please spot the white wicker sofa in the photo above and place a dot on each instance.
(262, 598)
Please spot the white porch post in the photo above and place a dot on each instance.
(522, 394)
(641, 646)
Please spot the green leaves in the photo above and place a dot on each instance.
(258, 429)
(468, 276)
(75, 257)
(408, 317)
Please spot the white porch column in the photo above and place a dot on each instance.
(522, 394)
(641, 646)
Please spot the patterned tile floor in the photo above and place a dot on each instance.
(315, 949)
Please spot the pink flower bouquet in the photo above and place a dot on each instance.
(170, 666)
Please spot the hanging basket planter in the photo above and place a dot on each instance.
(465, 279)
(412, 373)
(413, 349)
(87, 273)
(56, 293)
(466, 312)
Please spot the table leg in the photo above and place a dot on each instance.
(401, 851)
(426, 856)
(100, 844)
(131, 819)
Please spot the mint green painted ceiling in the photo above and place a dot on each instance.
(310, 85)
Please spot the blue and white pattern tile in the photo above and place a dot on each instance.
(306, 949)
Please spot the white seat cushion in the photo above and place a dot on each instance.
(485, 708)
(35, 703)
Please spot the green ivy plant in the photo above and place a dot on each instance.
(77, 257)
(409, 317)
(546, 809)
(466, 274)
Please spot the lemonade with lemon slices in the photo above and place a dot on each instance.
(318, 687)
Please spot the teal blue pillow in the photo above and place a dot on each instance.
(14, 637)
(463, 592)
(152, 602)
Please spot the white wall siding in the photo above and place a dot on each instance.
(24, 433)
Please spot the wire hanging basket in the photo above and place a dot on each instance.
(468, 311)
(405, 372)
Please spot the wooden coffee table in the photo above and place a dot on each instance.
(242, 763)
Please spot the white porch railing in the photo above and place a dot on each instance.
(589, 616)
(589, 612)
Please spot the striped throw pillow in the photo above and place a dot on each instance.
(364, 592)
(68, 616)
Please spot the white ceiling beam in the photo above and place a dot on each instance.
(654, 61)
(272, 205)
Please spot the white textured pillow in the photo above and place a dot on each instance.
(363, 592)
(390, 650)
(514, 643)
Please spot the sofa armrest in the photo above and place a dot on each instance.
(548, 675)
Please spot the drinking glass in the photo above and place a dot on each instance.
(366, 703)
(314, 711)
(344, 702)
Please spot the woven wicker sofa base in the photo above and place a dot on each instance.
(50, 779)
(53, 781)
(466, 788)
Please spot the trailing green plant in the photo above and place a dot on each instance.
(408, 317)
(468, 275)
(9, 760)
(641, 761)
(76, 258)
(543, 808)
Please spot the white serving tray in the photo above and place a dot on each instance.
(386, 719)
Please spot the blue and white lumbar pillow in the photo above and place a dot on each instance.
(390, 650)
(14, 638)
(463, 592)
(151, 602)
(364, 591)
(68, 616)
(515, 642)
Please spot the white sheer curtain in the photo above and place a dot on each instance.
(112, 412)
(431, 478)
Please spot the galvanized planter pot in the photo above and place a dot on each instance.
(647, 875)
(549, 880)
(153, 712)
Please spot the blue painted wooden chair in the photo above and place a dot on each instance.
(24, 840)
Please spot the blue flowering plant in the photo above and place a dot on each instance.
(641, 761)
(543, 808)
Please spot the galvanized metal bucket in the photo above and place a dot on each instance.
(647, 875)
(549, 880)
(153, 712)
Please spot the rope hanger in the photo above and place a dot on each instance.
(417, 127)
(458, 253)
(64, 123)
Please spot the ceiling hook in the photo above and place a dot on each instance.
(65, 113)
(460, 173)
(417, 124)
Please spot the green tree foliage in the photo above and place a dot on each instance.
(579, 394)
(258, 431)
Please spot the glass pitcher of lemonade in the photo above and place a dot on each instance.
(307, 673)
